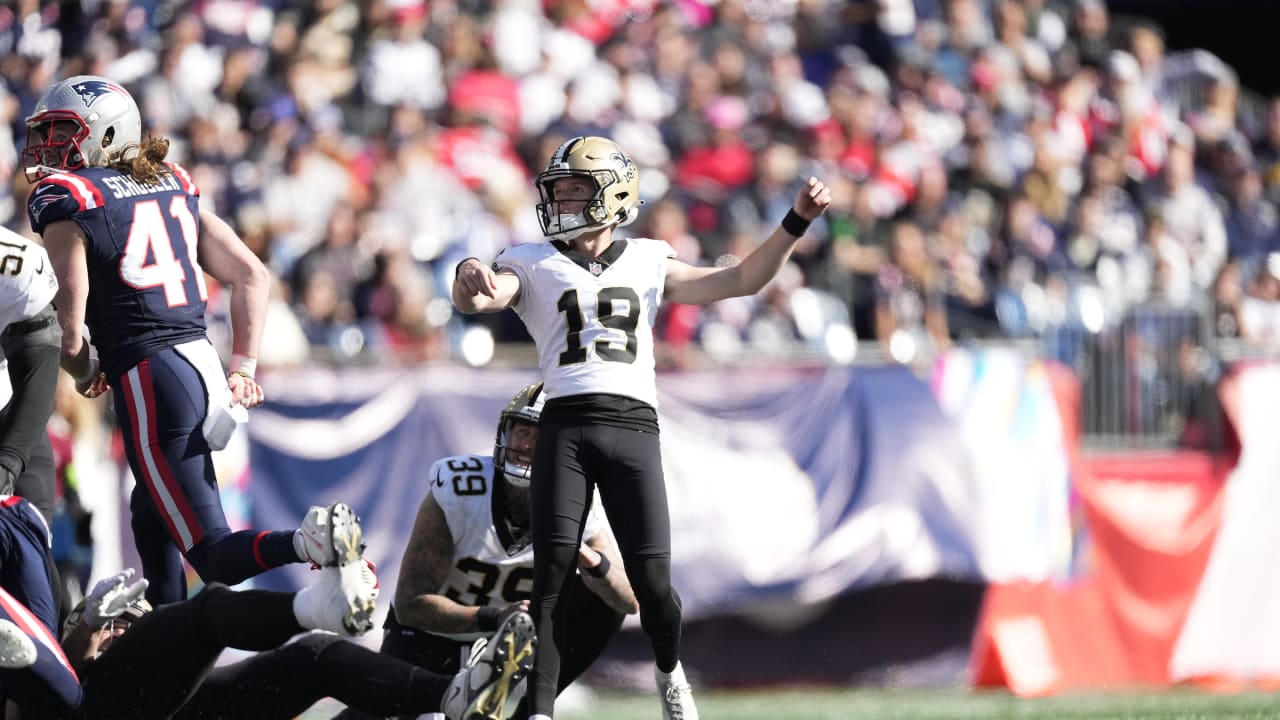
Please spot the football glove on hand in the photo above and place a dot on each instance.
(111, 597)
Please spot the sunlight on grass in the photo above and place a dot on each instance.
(824, 704)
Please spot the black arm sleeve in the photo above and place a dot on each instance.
(32, 348)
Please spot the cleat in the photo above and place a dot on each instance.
(16, 648)
(337, 602)
(481, 689)
(342, 600)
(369, 574)
(329, 536)
(347, 543)
(311, 541)
(346, 539)
(675, 694)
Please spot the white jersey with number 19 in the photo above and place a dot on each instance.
(592, 320)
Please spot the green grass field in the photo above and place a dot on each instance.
(825, 704)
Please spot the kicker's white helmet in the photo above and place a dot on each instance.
(616, 179)
(100, 119)
(526, 406)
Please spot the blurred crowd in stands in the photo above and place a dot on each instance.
(1001, 168)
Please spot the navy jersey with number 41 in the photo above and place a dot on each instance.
(146, 289)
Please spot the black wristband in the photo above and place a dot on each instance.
(458, 267)
(487, 618)
(794, 224)
(601, 570)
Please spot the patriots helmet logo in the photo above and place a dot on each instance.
(90, 90)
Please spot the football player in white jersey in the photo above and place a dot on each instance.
(589, 301)
(469, 564)
(31, 339)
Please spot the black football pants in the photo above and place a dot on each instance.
(281, 684)
(571, 460)
(149, 671)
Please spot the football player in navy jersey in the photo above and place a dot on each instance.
(129, 243)
(26, 561)
(34, 671)
(589, 301)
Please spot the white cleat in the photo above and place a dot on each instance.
(316, 540)
(480, 691)
(342, 599)
(16, 647)
(675, 694)
(369, 575)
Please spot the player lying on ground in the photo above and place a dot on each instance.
(123, 660)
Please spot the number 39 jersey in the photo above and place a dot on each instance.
(488, 566)
(592, 320)
(146, 289)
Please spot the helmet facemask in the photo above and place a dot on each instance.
(114, 627)
(594, 214)
(54, 144)
(515, 464)
(121, 623)
(525, 407)
(607, 169)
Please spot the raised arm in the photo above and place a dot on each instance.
(224, 255)
(700, 285)
(477, 288)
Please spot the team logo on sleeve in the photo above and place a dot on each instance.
(47, 195)
(90, 90)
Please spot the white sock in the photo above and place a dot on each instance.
(432, 716)
(676, 675)
(539, 716)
